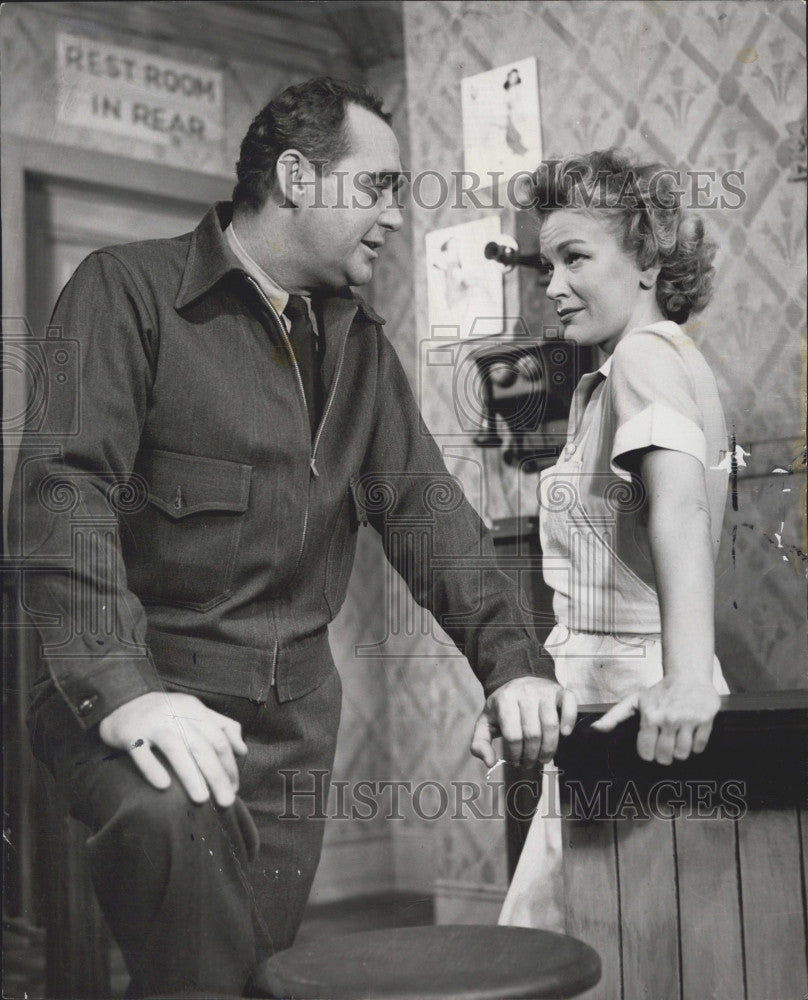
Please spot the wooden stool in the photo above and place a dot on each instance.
(447, 962)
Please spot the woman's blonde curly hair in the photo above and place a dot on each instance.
(643, 203)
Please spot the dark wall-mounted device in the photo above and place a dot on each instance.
(528, 385)
(511, 257)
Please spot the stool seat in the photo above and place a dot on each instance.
(446, 962)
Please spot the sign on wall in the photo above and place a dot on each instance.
(131, 93)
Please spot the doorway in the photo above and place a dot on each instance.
(64, 221)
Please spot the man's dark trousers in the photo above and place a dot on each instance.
(192, 900)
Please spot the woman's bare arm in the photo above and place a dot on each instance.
(676, 714)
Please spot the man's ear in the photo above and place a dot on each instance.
(648, 277)
(292, 174)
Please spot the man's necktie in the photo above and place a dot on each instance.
(301, 336)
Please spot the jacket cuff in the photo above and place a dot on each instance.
(522, 660)
(91, 695)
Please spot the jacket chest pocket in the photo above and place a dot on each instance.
(183, 546)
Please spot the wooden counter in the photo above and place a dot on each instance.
(690, 880)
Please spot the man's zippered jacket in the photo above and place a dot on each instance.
(178, 524)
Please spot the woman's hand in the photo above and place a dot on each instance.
(676, 718)
(676, 714)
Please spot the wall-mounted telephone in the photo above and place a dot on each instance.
(528, 380)
(510, 256)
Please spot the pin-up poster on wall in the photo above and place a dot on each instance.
(465, 289)
(501, 121)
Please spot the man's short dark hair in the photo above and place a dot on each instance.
(308, 116)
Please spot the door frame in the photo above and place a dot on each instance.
(24, 157)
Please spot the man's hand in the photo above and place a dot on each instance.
(525, 712)
(198, 743)
(676, 718)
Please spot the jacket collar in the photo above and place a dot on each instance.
(210, 259)
(369, 312)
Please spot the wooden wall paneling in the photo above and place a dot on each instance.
(77, 939)
(592, 898)
(234, 31)
(12, 202)
(710, 917)
(773, 919)
(709, 909)
(648, 908)
(17, 769)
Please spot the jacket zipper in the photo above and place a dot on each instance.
(274, 669)
(302, 392)
(286, 341)
(329, 401)
(291, 354)
(312, 462)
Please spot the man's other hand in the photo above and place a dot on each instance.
(199, 744)
(528, 713)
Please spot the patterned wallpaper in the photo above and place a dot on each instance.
(700, 86)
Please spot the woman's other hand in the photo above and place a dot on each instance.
(676, 714)
(676, 718)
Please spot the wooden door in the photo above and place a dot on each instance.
(46, 882)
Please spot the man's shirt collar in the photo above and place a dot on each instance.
(211, 258)
(277, 296)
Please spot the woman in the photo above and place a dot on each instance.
(630, 516)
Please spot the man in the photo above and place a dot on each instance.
(241, 412)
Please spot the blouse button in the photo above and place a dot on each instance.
(571, 449)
